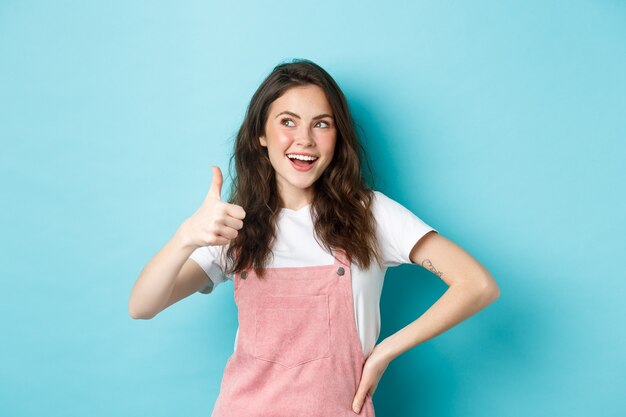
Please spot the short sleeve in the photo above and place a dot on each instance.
(398, 230)
(212, 260)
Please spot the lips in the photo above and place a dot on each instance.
(302, 153)
(302, 168)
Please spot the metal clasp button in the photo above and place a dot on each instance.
(340, 270)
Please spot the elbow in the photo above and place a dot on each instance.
(486, 290)
(490, 291)
(138, 314)
(492, 294)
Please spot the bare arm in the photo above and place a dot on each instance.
(166, 279)
(170, 275)
(471, 288)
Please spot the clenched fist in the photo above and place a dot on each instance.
(216, 222)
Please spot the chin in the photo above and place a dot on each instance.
(303, 186)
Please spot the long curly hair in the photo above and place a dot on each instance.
(341, 206)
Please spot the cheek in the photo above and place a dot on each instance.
(283, 140)
(328, 142)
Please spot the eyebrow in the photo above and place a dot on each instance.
(298, 117)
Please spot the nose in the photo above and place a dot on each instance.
(305, 138)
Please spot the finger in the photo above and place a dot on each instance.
(235, 211)
(216, 184)
(359, 398)
(233, 222)
(220, 240)
(227, 232)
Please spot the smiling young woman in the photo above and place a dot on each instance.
(300, 122)
(306, 243)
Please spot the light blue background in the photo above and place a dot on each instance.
(501, 124)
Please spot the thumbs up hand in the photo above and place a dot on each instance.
(216, 222)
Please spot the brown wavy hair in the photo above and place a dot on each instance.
(341, 206)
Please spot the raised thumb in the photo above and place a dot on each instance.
(216, 184)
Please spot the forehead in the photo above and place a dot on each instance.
(304, 99)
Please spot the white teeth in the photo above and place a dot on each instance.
(302, 157)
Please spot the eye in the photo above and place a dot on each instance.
(323, 121)
(286, 120)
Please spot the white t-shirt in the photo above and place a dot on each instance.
(398, 229)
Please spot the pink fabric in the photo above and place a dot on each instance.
(298, 352)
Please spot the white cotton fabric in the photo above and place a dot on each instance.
(398, 229)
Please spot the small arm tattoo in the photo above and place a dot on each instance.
(429, 265)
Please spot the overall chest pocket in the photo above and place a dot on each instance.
(292, 330)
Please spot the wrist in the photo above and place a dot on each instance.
(181, 238)
(388, 349)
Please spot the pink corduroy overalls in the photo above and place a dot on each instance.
(298, 353)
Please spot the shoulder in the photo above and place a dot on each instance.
(390, 211)
(213, 260)
(383, 205)
(398, 229)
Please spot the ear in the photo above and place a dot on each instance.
(263, 141)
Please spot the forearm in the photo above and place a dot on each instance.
(459, 302)
(156, 281)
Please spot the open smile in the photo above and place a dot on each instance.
(300, 165)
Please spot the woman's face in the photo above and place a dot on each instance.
(299, 122)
